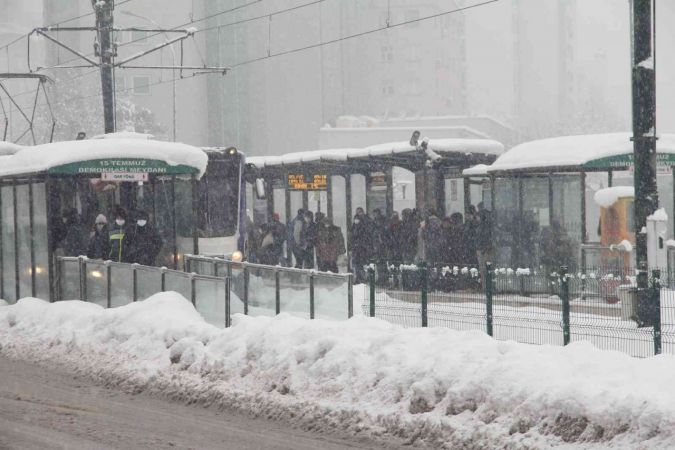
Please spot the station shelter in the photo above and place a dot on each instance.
(388, 177)
(549, 196)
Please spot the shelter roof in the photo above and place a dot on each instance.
(41, 158)
(436, 148)
(573, 153)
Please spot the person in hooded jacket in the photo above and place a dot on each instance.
(120, 237)
(75, 239)
(145, 242)
(99, 242)
(361, 244)
(330, 244)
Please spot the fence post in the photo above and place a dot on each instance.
(108, 284)
(228, 287)
(350, 296)
(656, 309)
(565, 297)
(134, 284)
(246, 280)
(311, 295)
(193, 290)
(59, 275)
(371, 286)
(488, 299)
(83, 278)
(163, 280)
(277, 290)
(424, 278)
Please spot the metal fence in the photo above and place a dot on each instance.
(112, 284)
(538, 307)
(270, 290)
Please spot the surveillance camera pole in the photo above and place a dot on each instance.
(104, 25)
(644, 139)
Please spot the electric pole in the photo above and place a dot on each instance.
(644, 138)
(106, 52)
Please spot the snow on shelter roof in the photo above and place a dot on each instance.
(462, 146)
(8, 148)
(596, 151)
(41, 158)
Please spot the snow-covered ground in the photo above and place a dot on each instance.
(447, 388)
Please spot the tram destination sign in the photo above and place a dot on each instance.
(121, 166)
(304, 182)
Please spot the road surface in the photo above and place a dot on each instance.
(49, 409)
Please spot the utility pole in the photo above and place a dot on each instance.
(106, 52)
(644, 138)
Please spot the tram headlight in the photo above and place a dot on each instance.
(96, 274)
(237, 256)
(231, 151)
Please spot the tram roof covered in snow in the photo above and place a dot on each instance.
(59, 157)
(613, 151)
(436, 149)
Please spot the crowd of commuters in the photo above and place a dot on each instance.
(406, 239)
(125, 240)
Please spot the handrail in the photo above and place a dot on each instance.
(209, 259)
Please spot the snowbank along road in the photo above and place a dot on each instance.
(361, 377)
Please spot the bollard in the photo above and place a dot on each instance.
(371, 285)
(311, 295)
(565, 297)
(424, 279)
(656, 309)
(488, 299)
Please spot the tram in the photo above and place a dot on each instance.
(193, 197)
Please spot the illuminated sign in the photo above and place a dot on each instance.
(301, 182)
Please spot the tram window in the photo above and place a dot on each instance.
(8, 271)
(184, 216)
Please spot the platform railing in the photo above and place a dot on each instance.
(259, 289)
(112, 284)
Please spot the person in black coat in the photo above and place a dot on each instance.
(75, 241)
(99, 242)
(145, 241)
(120, 238)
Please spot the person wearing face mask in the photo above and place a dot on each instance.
(145, 242)
(120, 238)
(99, 242)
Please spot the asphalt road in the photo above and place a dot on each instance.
(43, 409)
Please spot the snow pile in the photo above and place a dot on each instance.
(608, 196)
(660, 215)
(3, 302)
(451, 389)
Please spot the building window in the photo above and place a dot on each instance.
(410, 15)
(120, 82)
(141, 85)
(387, 88)
(138, 35)
(387, 53)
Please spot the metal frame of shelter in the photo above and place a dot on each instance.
(28, 115)
(430, 172)
(619, 162)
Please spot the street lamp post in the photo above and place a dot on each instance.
(173, 63)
